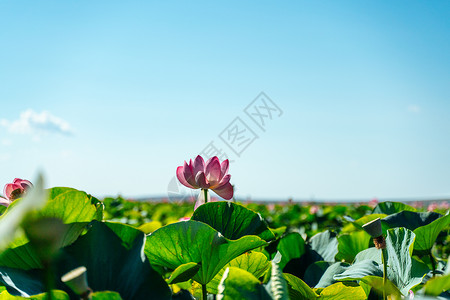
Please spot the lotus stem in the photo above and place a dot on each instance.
(204, 292)
(206, 195)
(384, 260)
(48, 279)
(375, 230)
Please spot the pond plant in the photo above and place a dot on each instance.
(62, 243)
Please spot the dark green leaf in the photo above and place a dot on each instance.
(410, 220)
(232, 220)
(111, 266)
(327, 278)
(238, 284)
(298, 289)
(255, 263)
(389, 208)
(349, 245)
(426, 235)
(290, 246)
(315, 271)
(192, 241)
(184, 272)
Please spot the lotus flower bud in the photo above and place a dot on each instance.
(374, 229)
(12, 191)
(76, 280)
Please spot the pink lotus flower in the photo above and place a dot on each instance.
(444, 205)
(313, 209)
(433, 206)
(14, 190)
(373, 202)
(211, 175)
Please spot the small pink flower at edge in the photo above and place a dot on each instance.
(15, 190)
(444, 205)
(211, 175)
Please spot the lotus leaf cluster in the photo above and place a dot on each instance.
(62, 243)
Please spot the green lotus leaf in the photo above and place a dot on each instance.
(359, 270)
(343, 291)
(75, 208)
(298, 289)
(107, 295)
(370, 253)
(184, 273)
(127, 234)
(238, 284)
(349, 245)
(21, 283)
(2, 209)
(327, 278)
(191, 241)
(20, 254)
(114, 263)
(315, 271)
(389, 208)
(410, 220)
(299, 256)
(55, 295)
(403, 270)
(290, 246)
(426, 235)
(436, 285)
(278, 232)
(71, 205)
(325, 244)
(253, 262)
(376, 283)
(61, 295)
(366, 219)
(277, 286)
(233, 220)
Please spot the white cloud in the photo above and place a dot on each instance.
(414, 108)
(37, 124)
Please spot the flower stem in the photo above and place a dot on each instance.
(206, 195)
(384, 260)
(48, 279)
(204, 292)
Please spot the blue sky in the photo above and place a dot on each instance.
(111, 96)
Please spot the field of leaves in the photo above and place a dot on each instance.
(61, 243)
